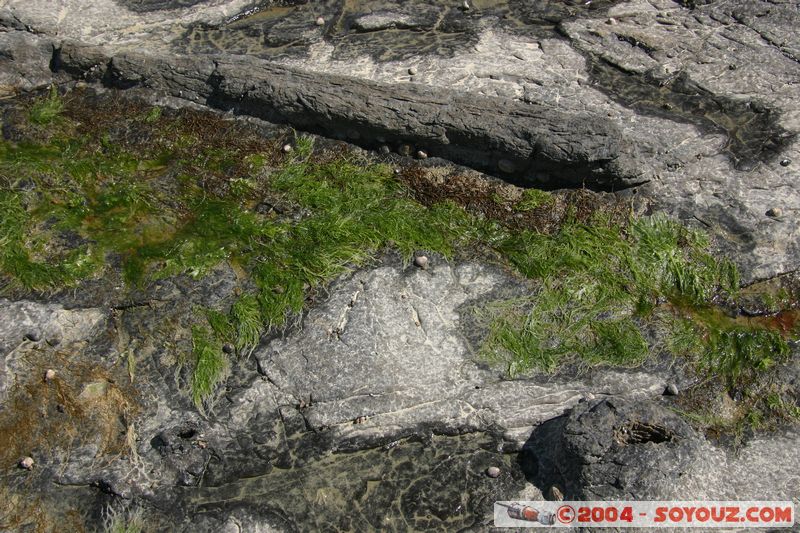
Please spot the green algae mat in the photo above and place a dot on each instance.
(99, 185)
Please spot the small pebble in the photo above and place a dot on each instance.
(555, 494)
(33, 336)
(421, 261)
(422, 155)
(671, 390)
(466, 5)
(405, 149)
(287, 148)
(774, 212)
(493, 472)
(611, 21)
(228, 348)
(786, 162)
(26, 463)
(50, 375)
(412, 71)
(320, 21)
(384, 149)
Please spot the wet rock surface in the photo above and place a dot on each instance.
(377, 397)
(409, 481)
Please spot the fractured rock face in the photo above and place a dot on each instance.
(700, 103)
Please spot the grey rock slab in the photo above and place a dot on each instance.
(386, 355)
(520, 404)
(24, 62)
(385, 333)
(767, 467)
(720, 52)
(384, 20)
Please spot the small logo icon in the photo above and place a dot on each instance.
(566, 514)
(517, 511)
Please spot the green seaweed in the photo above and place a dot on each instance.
(46, 110)
(221, 325)
(123, 520)
(617, 342)
(534, 199)
(23, 255)
(595, 279)
(247, 321)
(153, 114)
(210, 365)
(739, 351)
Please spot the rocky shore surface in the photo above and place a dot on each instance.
(374, 409)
